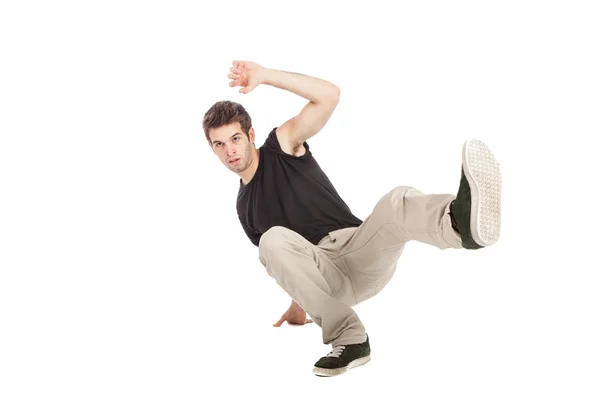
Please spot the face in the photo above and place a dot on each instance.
(232, 146)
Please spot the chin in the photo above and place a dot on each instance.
(234, 168)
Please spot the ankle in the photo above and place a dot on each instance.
(454, 224)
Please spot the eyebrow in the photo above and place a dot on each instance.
(231, 137)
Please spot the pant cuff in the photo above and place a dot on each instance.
(355, 339)
(450, 235)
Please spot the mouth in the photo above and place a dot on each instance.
(235, 161)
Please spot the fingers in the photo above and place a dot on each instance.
(236, 79)
(240, 78)
(248, 88)
(235, 82)
(236, 69)
(283, 319)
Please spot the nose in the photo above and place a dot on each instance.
(229, 150)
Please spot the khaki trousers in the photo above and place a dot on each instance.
(351, 265)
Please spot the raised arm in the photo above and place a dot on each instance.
(323, 98)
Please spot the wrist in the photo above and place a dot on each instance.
(295, 306)
(264, 75)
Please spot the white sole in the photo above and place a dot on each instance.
(333, 372)
(483, 174)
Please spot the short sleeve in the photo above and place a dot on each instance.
(252, 235)
(272, 144)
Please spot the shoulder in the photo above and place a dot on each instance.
(285, 144)
(278, 143)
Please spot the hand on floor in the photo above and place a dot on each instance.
(295, 315)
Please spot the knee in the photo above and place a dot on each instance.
(396, 195)
(402, 191)
(272, 238)
(394, 201)
(278, 242)
(271, 241)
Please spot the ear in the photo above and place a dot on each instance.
(252, 135)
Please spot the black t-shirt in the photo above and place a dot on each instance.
(293, 192)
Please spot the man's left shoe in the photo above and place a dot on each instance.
(342, 358)
(476, 210)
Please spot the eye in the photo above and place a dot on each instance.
(235, 139)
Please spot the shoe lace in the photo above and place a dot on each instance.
(336, 352)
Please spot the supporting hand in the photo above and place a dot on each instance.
(295, 315)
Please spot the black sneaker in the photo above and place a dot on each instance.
(342, 358)
(475, 212)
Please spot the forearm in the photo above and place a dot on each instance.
(311, 88)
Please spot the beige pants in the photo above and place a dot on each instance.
(351, 265)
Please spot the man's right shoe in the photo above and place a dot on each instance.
(476, 210)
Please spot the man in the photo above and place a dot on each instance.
(322, 255)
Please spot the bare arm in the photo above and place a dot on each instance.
(314, 89)
(323, 98)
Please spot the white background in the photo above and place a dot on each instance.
(124, 272)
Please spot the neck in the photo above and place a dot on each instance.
(248, 174)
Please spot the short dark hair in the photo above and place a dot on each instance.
(225, 113)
